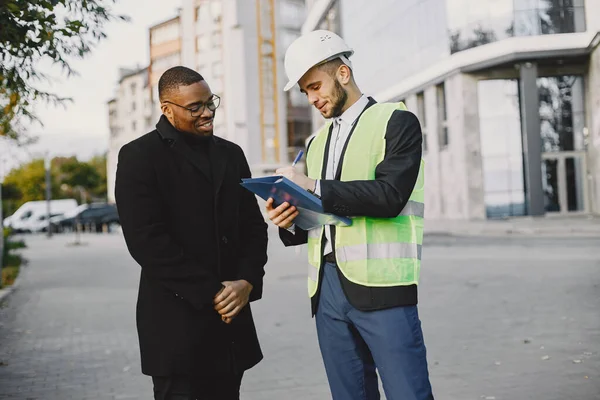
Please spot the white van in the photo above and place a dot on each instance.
(30, 212)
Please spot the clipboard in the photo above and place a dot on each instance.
(310, 207)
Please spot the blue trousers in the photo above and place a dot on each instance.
(355, 344)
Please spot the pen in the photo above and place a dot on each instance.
(298, 157)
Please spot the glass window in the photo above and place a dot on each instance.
(561, 113)
(216, 39)
(161, 64)
(217, 69)
(421, 109)
(203, 13)
(165, 33)
(202, 43)
(443, 138)
(216, 10)
(501, 148)
(473, 23)
(422, 117)
(550, 185)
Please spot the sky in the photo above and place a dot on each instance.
(81, 127)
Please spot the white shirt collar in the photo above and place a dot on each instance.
(353, 112)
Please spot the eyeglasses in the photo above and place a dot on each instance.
(198, 109)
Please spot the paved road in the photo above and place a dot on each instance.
(504, 319)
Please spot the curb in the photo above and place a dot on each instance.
(4, 293)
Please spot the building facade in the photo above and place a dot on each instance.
(165, 52)
(238, 46)
(507, 93)
(129, 116)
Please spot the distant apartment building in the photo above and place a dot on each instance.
(129, 115)
(238, 46)
(507, 93)
(165, 52)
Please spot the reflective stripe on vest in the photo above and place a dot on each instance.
(376, 252)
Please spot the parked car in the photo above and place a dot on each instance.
(91, 216)
(38, 223)
(32, 210)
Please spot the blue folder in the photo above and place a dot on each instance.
(281, 189)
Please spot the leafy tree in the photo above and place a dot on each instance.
(76, 174)
(34, 31)
(30, 181)
(70, 178)
(99, 163)
(11, 196)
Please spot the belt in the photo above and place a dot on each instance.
(330, 258)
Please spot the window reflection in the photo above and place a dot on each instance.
(472, 23)
(575, 176)
(550, 185)
(501, 148)
(561, 113)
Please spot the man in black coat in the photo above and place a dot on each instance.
(201, 241)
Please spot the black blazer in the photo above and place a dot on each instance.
(384, 197)
(190, 225)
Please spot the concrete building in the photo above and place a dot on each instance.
(507, 93)
(238, 46)
(165, 52)
(134, 110)
(129, 116)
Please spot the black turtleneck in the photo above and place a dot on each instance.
(201, 145)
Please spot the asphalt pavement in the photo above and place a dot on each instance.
(504, 318)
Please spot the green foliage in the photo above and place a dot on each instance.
(99, 164)
(34, 31)
(70, 178)
(10, 260)
(81, 174)
(30, 181)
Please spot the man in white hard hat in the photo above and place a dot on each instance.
(365, 163)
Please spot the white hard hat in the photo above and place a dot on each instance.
(312, 49)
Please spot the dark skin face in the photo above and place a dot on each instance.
(190, 96)
(325, 92)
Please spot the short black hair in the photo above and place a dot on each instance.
(332, 66)
(175, 77)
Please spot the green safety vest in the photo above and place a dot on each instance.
(375, 252)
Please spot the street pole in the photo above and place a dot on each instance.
(77, 232)
(48, 194)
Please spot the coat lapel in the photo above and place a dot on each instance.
(169, 134)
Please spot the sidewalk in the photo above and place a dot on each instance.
(549, 226)
(555, 226)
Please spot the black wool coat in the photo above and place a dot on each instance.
(190, 225)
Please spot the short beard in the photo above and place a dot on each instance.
(340, 96)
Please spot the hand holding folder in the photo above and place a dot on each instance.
(309, 206)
